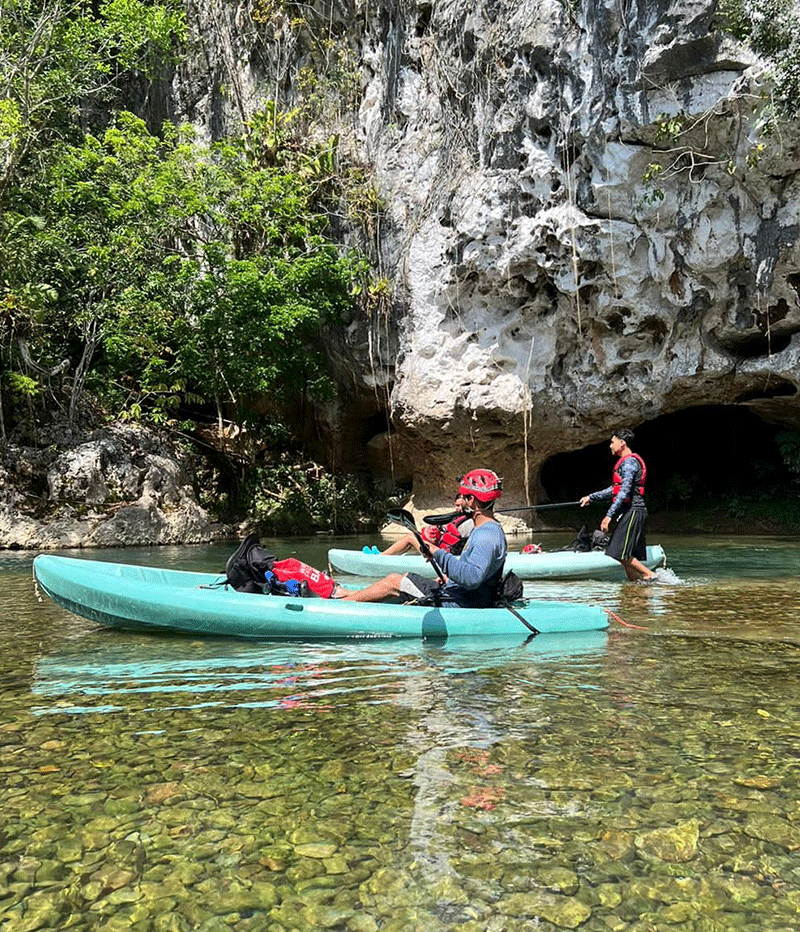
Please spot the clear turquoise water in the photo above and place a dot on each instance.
(644, 778)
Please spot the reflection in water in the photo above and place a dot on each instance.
(231, 673)
(638, 779)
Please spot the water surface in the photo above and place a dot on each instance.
(644, 778)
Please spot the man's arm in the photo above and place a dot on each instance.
(600, 496)
(474, 565)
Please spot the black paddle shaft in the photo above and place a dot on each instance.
(407, 520)
(438, 520)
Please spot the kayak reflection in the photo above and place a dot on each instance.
(118, 666)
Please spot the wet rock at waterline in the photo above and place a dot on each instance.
(122, 485)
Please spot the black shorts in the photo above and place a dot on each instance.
(628, 539)
(416, 588)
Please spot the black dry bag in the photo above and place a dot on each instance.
(247, 565)
(510, 588)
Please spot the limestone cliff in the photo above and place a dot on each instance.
(549, 282)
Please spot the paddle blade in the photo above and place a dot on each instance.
(439, 520)
(401, 516)
(407, 520)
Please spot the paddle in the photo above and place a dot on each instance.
(438, 520)
(541, 507)
(406, 519)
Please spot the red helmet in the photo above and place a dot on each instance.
(484, 484)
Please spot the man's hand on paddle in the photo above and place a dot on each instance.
(426, 550)
(424, 547)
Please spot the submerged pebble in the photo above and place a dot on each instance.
(644, 782)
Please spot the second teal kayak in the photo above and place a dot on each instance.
(556, 564)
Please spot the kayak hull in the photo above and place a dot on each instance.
(144, 598)
(558, 564)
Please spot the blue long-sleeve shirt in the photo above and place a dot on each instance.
(631, 473)
(472, 575)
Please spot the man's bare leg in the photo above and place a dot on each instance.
(635, 570)
(400, 546)
(386, 588)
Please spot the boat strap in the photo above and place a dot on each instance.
(528, 625)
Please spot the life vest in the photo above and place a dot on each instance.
(318, 582)
(451, 536)
(617, 478)
(485, 596)
(431, 534)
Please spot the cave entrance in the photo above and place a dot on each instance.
(710, 459)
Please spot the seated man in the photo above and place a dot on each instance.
(451, 537)
(473, 577)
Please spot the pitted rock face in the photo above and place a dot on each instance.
(124, 485)
(585, 225)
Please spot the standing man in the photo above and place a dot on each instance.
(627, 510)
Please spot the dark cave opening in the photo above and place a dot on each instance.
(701, 458)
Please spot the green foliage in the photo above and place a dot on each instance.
(252, 323)
(334, 88)
(171, 274)
(23, 385)
(771, 28)
(328, 78)
(669, 129)
(11, 127)
(23, 295)
(56, 58)
(144, 34)
(766, 24)
(652, 173)
(285, 497)
(204, 272)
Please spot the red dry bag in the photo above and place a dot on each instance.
(318, 582)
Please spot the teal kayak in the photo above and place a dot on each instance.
(146, 598)
(554, 564)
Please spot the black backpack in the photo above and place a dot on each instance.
(582, 543)
(248, 565)
(509, 589)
